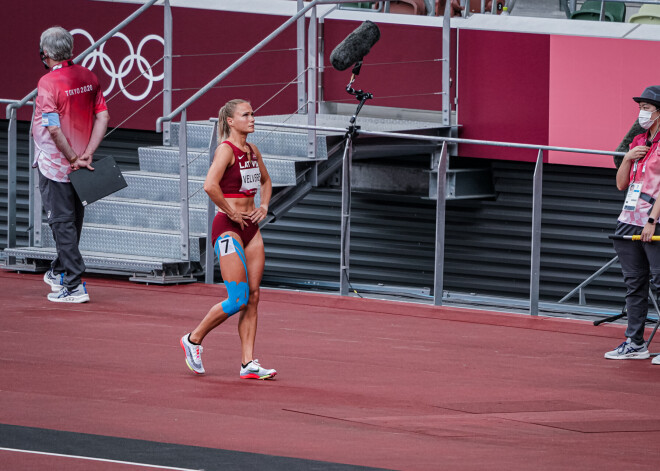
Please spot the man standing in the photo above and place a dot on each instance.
(70, 120)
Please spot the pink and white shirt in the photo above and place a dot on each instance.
(69, 96)
(647, 172)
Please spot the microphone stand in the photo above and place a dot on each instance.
(350, 136)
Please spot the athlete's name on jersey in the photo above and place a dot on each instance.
(252, 178)
(79, 90)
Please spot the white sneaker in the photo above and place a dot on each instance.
(56, 282)
(193, 355)
(656, 360)
(65, 295)
(629, 351)
(253, 370)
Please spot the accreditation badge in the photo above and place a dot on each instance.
(634, 191)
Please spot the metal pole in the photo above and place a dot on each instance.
(183, 187)
(596, 274)
(345, 217)
(35, 193)
(602, 11)
(233, 66)
(12, 160)
(300, 55)
(446, 43)
(311, 89)
(534, 278)
(321, 64)
(167, 69)
(210, 215)
(438, 278)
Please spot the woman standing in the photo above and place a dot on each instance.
(232, 181)
(639, 173)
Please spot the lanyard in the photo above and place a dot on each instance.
(635, 170)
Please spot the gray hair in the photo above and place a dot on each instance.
(57, 43)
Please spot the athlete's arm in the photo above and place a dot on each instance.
(223, 158)
(258, 214)
(98, 131)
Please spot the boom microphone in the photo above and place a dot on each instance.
(356, 45)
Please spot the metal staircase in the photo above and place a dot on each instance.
(136, 231)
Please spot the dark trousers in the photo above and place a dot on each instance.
(638, 260)
(65, 214)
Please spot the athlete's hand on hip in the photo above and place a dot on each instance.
(258, 214)
(238, 218)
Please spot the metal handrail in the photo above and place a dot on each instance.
(310, 99)
(537, 200)
(11, 113)
(9, 101)
(241, 60)
(453, 140)
(87, 51)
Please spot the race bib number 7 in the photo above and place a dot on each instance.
(226, 246)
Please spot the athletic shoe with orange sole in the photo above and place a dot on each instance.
(253, 370)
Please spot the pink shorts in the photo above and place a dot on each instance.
(222, 223)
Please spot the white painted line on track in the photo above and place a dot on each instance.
(98, 459)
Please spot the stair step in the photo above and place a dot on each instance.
(143, 214)
(130, 241)
(165, 160)
(269, 141)
(161, 187)
(98, 261)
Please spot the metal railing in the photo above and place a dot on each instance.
(442, 158)
(15, 105)
(309, 98)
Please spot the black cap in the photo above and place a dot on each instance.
(650, 95)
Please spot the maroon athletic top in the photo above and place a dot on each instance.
(242, 178)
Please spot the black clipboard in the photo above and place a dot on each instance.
(104, 180)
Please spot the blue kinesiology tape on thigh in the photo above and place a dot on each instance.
(237, 291)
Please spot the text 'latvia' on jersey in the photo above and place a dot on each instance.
(250, 176)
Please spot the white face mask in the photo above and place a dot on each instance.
(644, 118)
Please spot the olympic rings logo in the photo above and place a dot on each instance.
(117, 75)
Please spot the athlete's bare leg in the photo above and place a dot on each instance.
(232, 269)
(247, 322)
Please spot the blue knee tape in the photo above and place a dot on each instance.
(238, 292)
(237, 297)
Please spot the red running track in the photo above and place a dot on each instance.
(363, 382)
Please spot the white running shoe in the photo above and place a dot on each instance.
(629, 351)
(65, 295)
(656, 360)
(193, 355)
(56, 282)
(253, 370)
